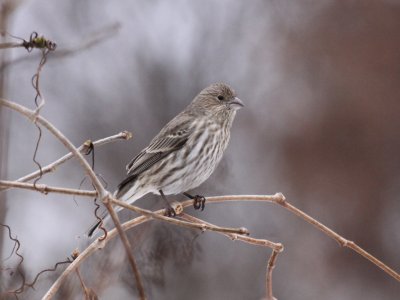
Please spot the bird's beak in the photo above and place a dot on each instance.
(236, 103)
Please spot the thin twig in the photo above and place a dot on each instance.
(30, 114)
(17, 245)
(127, 246)
(203, 226)
(278, 247)
(125, 135)
(93, 247)
(270, 268)
(45, 189)
(87, 292)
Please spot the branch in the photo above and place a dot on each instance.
(103, 194)
(93, 247)
(341, 240)
(45, 189)
(277, 248)
(30, 114)
(233, 236)
(126, 135)
(101, 243)
(127, 246)
(270, 268)
(280, 200)
(277, 199)
(203, 226)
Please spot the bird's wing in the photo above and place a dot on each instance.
(173, 137)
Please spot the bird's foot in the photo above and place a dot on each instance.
(199, 202)
(170, 211)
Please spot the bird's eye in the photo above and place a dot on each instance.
(220, 97)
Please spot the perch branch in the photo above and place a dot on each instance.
(203, 226)
(280, 200)
(99, 244)
(277, 199)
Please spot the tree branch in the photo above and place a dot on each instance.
(103, 194)
(203, 226)
(45, 189)
(277, 199)
(234, 236)
(126, 135)
(270, 268)
(280, 200)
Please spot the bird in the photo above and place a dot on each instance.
(185, 152)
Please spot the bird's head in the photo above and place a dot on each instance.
(218, 100)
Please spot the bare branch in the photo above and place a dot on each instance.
(341, 240)
(270, 268)
(128, 248)
(125, 135)
(45, 189)
(30, 114)
(280, 200)
(202, 226)
(277, 199)
(278, 247)
(100, 243)
(104, 195)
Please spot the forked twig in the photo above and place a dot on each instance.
(103, 194)
(278, 247)
(203, 226)
(125, 135)
(280, 200)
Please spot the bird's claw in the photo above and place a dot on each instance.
(170, 212)
(199, 202)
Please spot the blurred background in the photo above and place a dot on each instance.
(320, 80)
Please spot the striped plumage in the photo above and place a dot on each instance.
(187, 150)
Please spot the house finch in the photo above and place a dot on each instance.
(185, 152)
